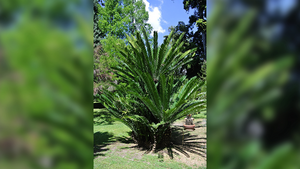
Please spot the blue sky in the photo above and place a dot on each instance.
(166, 13)
(281, 6)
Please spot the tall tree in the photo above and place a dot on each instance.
(113, 19)
(138, 16)
(97, 32)
(194, 39)
(120, 17)
(198, 38)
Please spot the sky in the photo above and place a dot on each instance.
(165, 13)
(281, 6)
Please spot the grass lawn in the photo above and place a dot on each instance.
(114, 148)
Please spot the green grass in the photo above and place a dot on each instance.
(147, 161)
(102, 116)
(109, 133)
(116, 129)
(105, 134)
(201, 115)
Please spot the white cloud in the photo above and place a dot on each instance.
(154, 17)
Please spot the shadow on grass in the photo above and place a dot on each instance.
(201, 123)
(102, 117)
(125, 139)
(184, 143)
(101, 140)
(129, 140)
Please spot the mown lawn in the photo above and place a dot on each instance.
(115, 161)
(114, 148)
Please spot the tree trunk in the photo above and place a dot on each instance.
(163, 136)
(160, 140)
(142, 141)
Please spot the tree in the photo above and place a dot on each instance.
(45, 70)
(97, 32)
(113, 19)
(153, 99)
(121, 17)
(198, 19)
(138, 16)
(197, 38)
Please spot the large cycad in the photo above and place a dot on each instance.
(155, 60)
(153, 99)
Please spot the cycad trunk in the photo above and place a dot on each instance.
(143, 141)
(160, 140)
(163, 136)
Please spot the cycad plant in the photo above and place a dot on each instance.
(152, 98)
(155, 60)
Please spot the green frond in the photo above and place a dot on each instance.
(153, 98)
(155, 51)
(149, 83)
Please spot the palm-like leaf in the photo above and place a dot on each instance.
(155, 60)
(169, 105)
(152, 99)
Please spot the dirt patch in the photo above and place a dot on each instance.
(198, 123)
(128, 150)
(192, 142)
(193, 161)
(189, 146)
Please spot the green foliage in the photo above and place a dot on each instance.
(102, 116)
(243, 84)
(45, 94)
(201, 23)
(114, 19)
(152, 59)
(109, 46)
(194, 38)
(102, 73)
(202, 95)
(97, 32)
(104, 58)
(121, 17)
(153, 99)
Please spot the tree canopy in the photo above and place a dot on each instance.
(194, 38)
(113, 20)
(120, 17)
